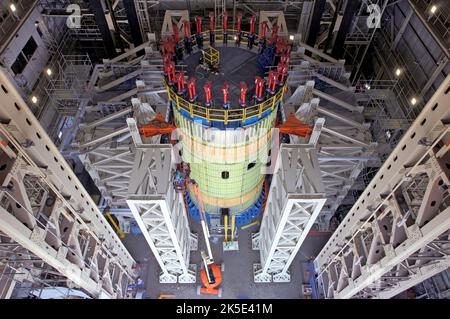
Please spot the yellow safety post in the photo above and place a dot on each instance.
(233, 217)
(225, 221)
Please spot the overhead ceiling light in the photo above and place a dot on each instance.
(413, 101)
(12, 7)
(49, 71)
(34, 99)
(291, 37)
(433, 9)
(398, 72)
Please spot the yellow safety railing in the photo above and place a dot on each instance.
(240, 114)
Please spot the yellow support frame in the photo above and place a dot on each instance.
(212, 56)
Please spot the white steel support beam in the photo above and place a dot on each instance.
(273, 18)
(46, 209)
(160, 213)
(397, 233)
(172, 17)
(344, 147)
(295, 199)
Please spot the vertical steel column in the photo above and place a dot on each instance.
(347, 19)
(295, 199)
(319, 8)
(99, 13)
(133, 22)
(161, 214)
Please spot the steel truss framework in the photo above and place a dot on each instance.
(103, 141)
(160, 213)
(344, 144)
(295, 199)
(45, 209)
(397, 234)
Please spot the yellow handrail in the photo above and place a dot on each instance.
(231, 115)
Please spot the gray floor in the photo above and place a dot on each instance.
(241, 65)
(238, 275)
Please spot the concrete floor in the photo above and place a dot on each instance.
(238, 274)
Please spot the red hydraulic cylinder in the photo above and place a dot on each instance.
(243, 95)
(262, 30)
(176, 33)
(272, 81)
(198, 24)
(211, 22)
(281, 46)
(167, 60)
(225, 26)
(187, 29)
(285, 60)
(207, 88)
(171, 73)
(225, 22)
(274, 33)
(211, 28)
(226, 104)
(170, 47)
(281, 72)
(259, 85)
(238, 22)
(192, 89)
(238, 29)
(180, 82)
(252, 24)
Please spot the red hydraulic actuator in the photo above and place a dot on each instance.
(252, 24)
(281, 72)
(281, 46)
(211, 22)
(243, 96)
(262, 29)
(225, 94)
(187, 29)
(171, 73)
(207, 88)
(180, 82)
(192, 90)
(259, 85)
(170, 46)
(285, 59)
(274, 33)
(176, 33)
(272, 81)
(167, 60)
(198, 24)
(225, 22)
(238, 22)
